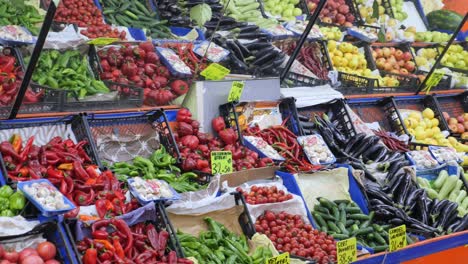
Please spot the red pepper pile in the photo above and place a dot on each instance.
(10, 81)
(84, 13)
(113, 241)
(140, 65)
(67, 166)
(391, 142)
(290, 234)
(285, 142)
(195, 147)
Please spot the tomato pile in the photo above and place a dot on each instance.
(43, 254)
(85, 14)
(140, 65)
(263, 194)
(195, 147)
(290, 234)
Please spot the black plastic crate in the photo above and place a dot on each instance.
(157, 119)
(297, 80)
(453, 104)
(336, 111)
(79, 126)
(349, 80)
(162, 223)
(287, 107)
(414, 103)
(373, 110)
(53, 232)
(402, 46)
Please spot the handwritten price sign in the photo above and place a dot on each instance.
(221, 162)
(346, 251)
(280, 259)
(236, 91)
(397, 238)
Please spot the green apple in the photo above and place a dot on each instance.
(460, 64)
(297, 12)
(294, 2)
(287, 13)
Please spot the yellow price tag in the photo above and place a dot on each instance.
(221, 162)
(215, 72)
(102, 41)
(434, 79)
(346, 250)
(397, 238)
(236, 91)
(280, 259)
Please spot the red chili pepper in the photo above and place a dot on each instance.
(7, 149)
(100, 234)
(152, 236)
(101, 208)
(122, 226)
(79, 171)
(118, 248)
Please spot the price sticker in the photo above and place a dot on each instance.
(346, 250)
(397, 238)
(102, 41)
(434, 79)
(236, 91)
(280, 259)
(215, 72)
(221, 162)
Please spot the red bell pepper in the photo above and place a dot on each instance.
(90, 256)
(218, 124)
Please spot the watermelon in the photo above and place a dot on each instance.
(444, 20)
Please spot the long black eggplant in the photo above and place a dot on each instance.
(378, 155)
(257, 45)
(365, 144)
(422, 210)
(453, 225)
(396, 221)
(445, 215)
(235, 49)
(354, 140)
(396, 166)
(395, 185)
(238, 64)
(437, 209)
(380, 195)
(463, 224)
(411, 198)
(245, 52)
(371, 150)
(403, 190)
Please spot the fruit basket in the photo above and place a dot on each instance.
(456, 107)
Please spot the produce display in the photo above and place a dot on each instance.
(57, 69)
(343, 219)
(289, 233)
(302, 173)
(219, 245)
(113, 240)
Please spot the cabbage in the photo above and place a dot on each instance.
(201, 14)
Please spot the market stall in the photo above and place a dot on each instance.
(241, 131)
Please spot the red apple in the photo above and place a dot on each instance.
(386, 52)
(452, 121)
(388, 66)
(392, 50)
(446, 116)
(403, 71)
(410, 66)
(379, 52)
(453, 128)
(461, 128)
(401, 63)
(399, 55)
(460, 119)
(465, 124)
(407, 56)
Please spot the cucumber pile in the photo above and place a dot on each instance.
(135, 14)
(343, 219)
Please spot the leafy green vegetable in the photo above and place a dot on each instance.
(201, 14)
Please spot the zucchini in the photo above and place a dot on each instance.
(443, 176)
(431, 193)
(460, 197)
(448, 186)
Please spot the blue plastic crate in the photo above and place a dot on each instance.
(182, 31)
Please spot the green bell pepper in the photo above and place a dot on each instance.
(4, 203)
(7, 212)
(17, 201)
(6, 191)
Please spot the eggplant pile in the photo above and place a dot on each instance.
(171, 11)
(258, 57)
(401, 201)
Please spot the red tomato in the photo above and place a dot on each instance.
(52, 261)
(32, 259)
(2, 251)
(11, 256)
(46, 250)
(27, 252)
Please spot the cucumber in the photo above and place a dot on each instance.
(342, 228)
(342, 201)
(349, 222)
(333, 227)
(363, 231)
(380, 248)
(322, 209)
(340, 236)
(353, 210)
(464, 204)
(359, 217)
(319, 219)
(379, 239)
(326, 216)
(343, 216)
(336, 213)
(327, 203)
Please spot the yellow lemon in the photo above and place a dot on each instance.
(428, 113)
(415, 115)
(435, 122)
(435, 130)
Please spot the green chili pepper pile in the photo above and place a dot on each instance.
(11, 202)
(219, 245)
(20, 14)
(160, 165)
(67, 71)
